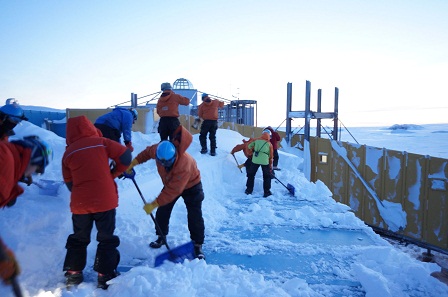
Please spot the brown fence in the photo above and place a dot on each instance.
(418, 183)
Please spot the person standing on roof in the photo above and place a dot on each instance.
(168, 109)
(10, 116)
(262, 155)
(93, 199)
(19, 160)
(208, 111)
(275, 138)
(116, 122)
(181, 177)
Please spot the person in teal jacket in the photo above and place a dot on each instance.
(262, 156)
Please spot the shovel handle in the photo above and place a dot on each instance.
(289, 190)
(152, 216)
(238, 165)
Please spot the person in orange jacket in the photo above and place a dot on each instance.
(19, 159)
(94, 198)
(208, 111)
(247, 152)
(168, 109)
(181, 177)
(275, 138)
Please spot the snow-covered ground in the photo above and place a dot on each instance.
(307, 245)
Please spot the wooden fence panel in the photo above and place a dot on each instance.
(437, 203)
(339, 180)
(414, 202)
(418, 183)
(356, 190)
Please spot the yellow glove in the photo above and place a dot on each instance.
(133, 163)
(149, 207)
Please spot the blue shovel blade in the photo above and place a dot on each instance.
(176, 255)
(291, 189)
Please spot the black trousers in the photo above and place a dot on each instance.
(251, 170)
(107, 256)
(167, 126)
(193, 198)
(109, 132)
(275, 161)
(210, 127)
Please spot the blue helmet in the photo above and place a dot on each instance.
(134, 113)
(204, 95)
(13, 112)
(166, 153)
(41, 152)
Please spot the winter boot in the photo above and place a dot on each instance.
(267, 194)
(204, 151)
(157, 243)
(198, 251)
(73, 278)
(247, 192)
(104, 278)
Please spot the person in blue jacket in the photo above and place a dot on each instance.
(116, 122)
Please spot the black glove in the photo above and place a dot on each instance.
(28, 180)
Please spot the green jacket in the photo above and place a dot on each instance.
(264, 149)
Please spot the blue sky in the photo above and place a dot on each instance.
(388, 58)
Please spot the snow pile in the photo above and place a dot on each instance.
(308, 245)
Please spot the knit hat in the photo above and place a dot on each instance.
(204, 96)
(266, 130)
(165, 86)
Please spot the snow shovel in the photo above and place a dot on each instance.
(289, 187)
(176, 255)
(238, 165)
(48, 187)
(197, 122)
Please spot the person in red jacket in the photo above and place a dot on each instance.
(208, 111)
(168, 109)
(181, 177)
(94, 198)
(19, 159)
(275, 138)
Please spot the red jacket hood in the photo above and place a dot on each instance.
(80, 127)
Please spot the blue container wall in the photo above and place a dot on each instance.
(46, 119)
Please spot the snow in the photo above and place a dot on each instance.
(308, 245)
